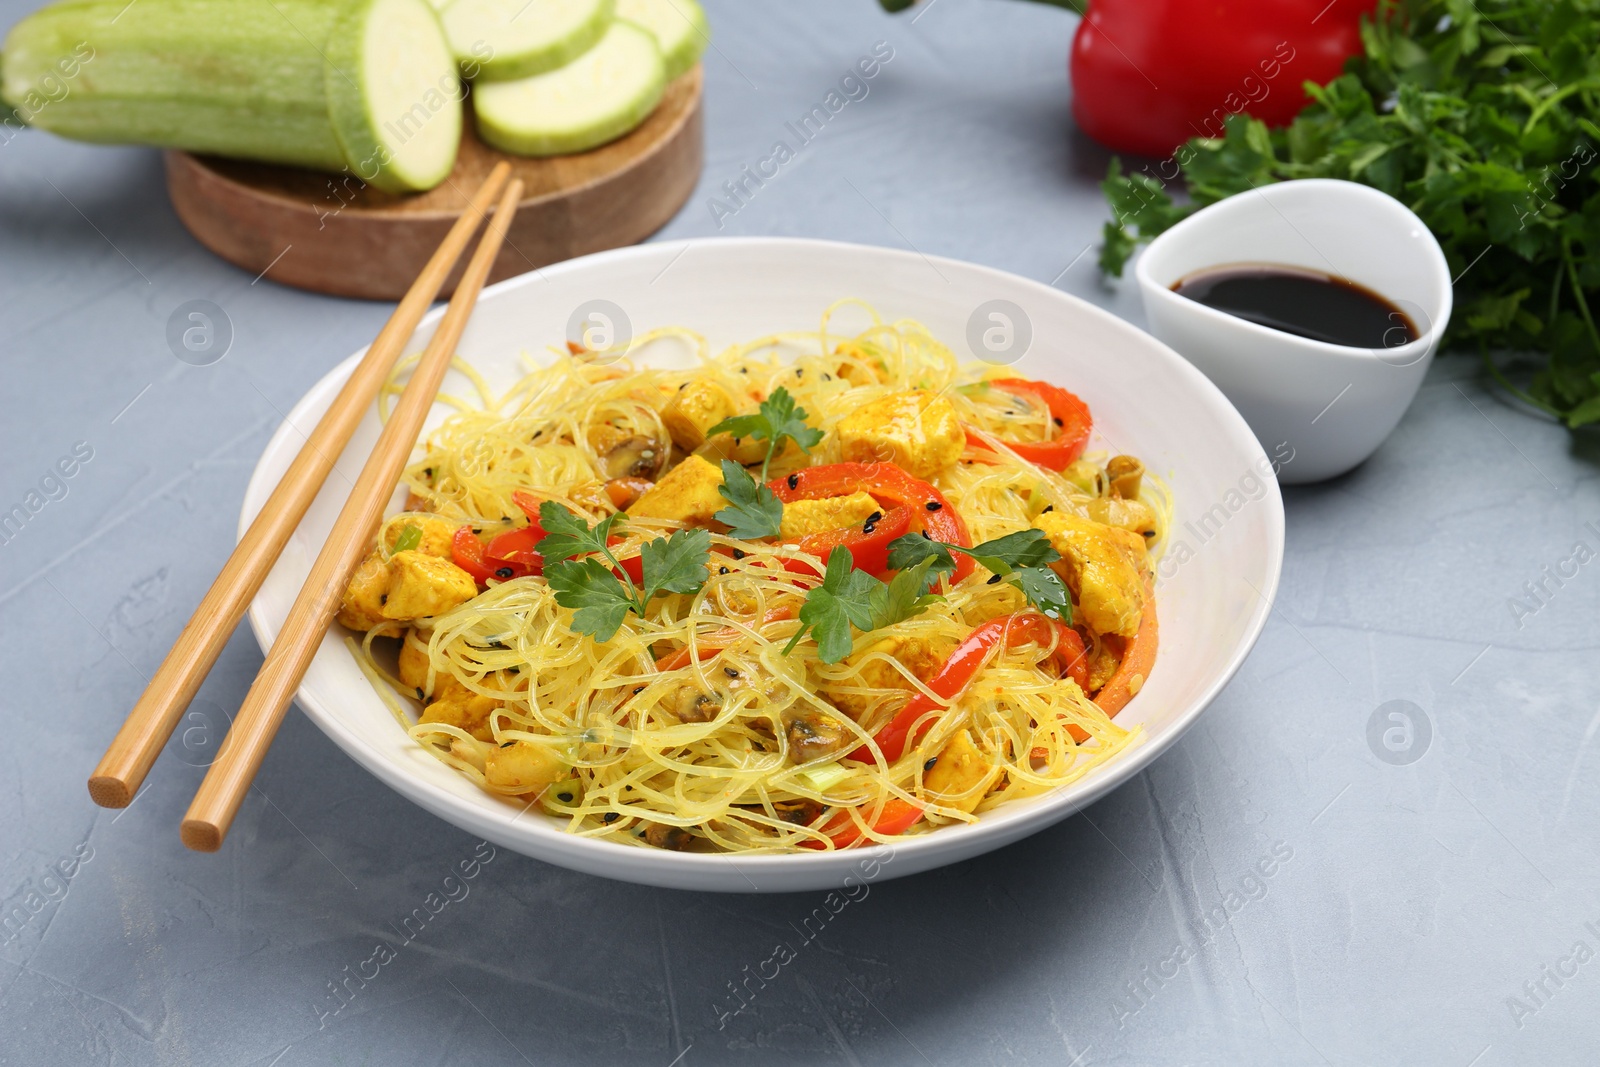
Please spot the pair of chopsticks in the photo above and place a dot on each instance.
(123, 768)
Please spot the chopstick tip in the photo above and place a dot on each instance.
(110, 792)
(200, 836)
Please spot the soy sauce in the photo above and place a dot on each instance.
(1306, 303)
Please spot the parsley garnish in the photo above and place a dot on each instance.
(1481, 119)
(601, 594)
(755, 511)
(777, 418)
(1023, 556)
(849, 597)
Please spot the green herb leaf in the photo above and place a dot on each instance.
(676, 563)
(410, 537)
(905, 596)
(848, 597)
(777, 418)
(1022, 557)
(598, 598)
(909, 550)
(754, 511)
(567, 536)
(1015, 551)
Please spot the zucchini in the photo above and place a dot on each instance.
(504, 39)
(596, 98)
(679, 27)
(367, 87)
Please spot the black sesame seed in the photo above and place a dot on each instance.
(503, 572)
(739, 553)
(869, 527)
(420, 694)
(799, 372)
(682, 387)
(638, 689)
(477, 529)
(384, 599)
(794, 481)
(610, 817)
(730, 672)
(993, 578)
(722, 570)
(929, 765)
(875, 516)
(1047, 509)
(926, 536)
(933, 505)
(827, 377)
(744, 370)
(564, 796)
(507, 744)
(629, 788)
(1058, 422)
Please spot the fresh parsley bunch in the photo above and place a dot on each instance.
(1480, 115)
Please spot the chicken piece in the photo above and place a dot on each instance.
(422, 586)
(521, 767)
(1103, 568)
(456, 705)
(437, 534)
(922, 656)
(813, 734)
(687, 494)
(960, 776)
(698, 405)
(362, 607)
(626, 453)
(805, 517)
(918, 429)
(1124, 514)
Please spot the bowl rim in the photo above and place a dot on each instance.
(1238, 204)
(682, 868)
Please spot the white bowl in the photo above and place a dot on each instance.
(1328, 406)
(1213, 596)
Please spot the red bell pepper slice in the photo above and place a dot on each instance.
(890, 486)
(896, 817)
(1068, 412)
(1137, 660)
(509, 555)
(869, 550)
(963, 665)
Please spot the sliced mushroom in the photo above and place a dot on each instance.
(1126, 473)
(813, 734)
(674, 838)
(626, 453)
(690, 703)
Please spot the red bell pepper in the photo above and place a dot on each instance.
(890, 486)
(1147, 75)
(633, 566)
(1137, 659)
(895, 817)
(963, 665)
(1070, 414)
(868, 544)
(509, 555)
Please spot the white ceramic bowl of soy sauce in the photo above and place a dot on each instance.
(1318, 407)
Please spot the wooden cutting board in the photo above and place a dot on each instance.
(332, 235)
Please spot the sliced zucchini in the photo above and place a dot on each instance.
(679, 27)
(522, 37)
(400, 123)
(596, 98)
(367, 86)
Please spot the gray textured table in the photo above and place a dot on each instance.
(1270, 892)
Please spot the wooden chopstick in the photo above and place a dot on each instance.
(217, 801)
(153, 718)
